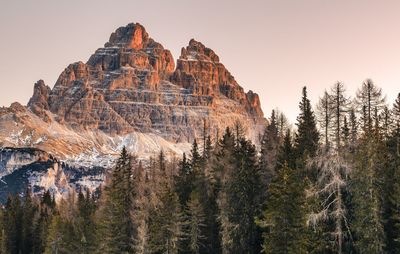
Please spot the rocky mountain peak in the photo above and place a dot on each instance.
(40, 95)
(200, 70)
(197, 51)
(38, 103)
(133, 35)
(130, 94)
(130, 90)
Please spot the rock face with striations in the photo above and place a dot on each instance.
(131, 84)
(131, 88)
(130, 94)
(200, 71)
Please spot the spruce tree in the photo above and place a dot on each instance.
(116, 225)
(1, 228)
(240, 202)
(396, 116)
(29, 210)
(269, 150)
(195, 224)
(283, 220)
(307, 136)
(85, 223)
(353, 126)
(12, 219)
(166, 224)
(42, 222)
(54, 243)
(393, 223)
(345, 133)
(367, 197)
(184, 181)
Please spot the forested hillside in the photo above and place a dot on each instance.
(329, 185)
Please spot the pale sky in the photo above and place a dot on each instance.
(273, 47)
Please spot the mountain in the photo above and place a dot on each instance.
(130, 93)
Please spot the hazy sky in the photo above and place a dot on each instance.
(271, 47)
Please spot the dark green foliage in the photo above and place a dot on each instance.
(29, 209)
(283, 220)
(269, 151)
(367, 197)
(291, 196)
(86, 227)
(116, 229)
(166, 224)
(12, 219)
(195, 225)
(239, 200)
(307, 136)
(184, 181)
(42, 222)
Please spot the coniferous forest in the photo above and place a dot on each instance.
(331, 184)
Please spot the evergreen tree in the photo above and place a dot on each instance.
(184, 181)
(367, 199)
(345, 133)
(54, 238)
(393, 224)
(166, 224)
(116, 225)
(307, 136)
(195, 224)
(283, 219)
(396, 116)
(286, 155)
(12, 225)
(42, 222)
(240, 202)
(269, 150)
(3, 248)
(29, 210)
(353, 126)
(282, 124)
(385, 122)
(85, 223)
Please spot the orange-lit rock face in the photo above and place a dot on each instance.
(199, 70)
(131, 84)
(137, 38)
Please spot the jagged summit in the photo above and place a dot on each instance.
(199, 69)
(130, 90)
(129, 93)
(130, 36)
(197, 51)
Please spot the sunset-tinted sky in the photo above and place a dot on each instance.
(271, 47)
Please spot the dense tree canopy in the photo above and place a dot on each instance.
(331, 185)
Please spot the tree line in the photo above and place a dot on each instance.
(332, 185)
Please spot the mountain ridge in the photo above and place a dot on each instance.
(131, 93)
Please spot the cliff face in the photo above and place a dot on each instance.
(131, 85)
(129, 93)
(200, 71)
(22, 168)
